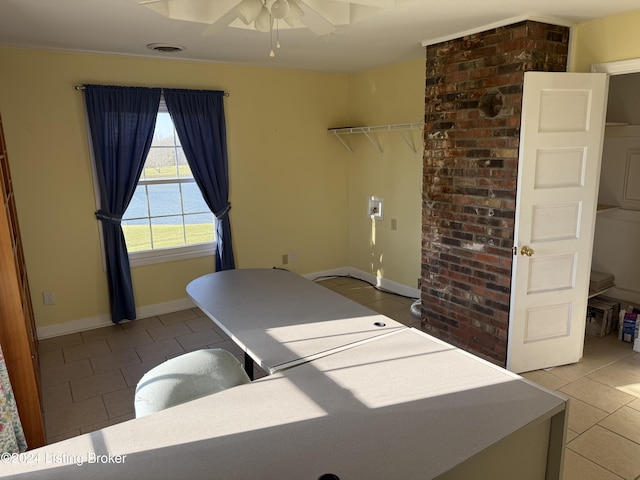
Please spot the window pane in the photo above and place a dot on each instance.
(161, 163)
(184, 170)
(167, 232)
(164, 200)
(192, 200)
(138, 206)
(163, 134)
(199, 228)
(155, 218)
(137, 235)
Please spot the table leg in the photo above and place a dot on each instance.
(248, 365)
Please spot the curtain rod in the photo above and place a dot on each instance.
(81, 87)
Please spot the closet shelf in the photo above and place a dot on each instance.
(604, 207)
(400, 128)
(595, 293)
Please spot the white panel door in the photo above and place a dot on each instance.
(558, 175)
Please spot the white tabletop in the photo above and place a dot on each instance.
(281, 319)
(400, 406)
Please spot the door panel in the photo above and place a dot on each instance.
(548, 322)
(564, 110)
(559, 168)
(555, 222)
(558, 174)
(553, 272)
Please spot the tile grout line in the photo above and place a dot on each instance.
(591, 461)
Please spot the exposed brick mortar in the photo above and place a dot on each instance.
(470, 176)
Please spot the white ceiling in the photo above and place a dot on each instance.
(396, 35)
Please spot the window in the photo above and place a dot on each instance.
(167, 218)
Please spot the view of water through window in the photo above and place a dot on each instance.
(167, 209)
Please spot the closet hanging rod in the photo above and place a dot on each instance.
(81, 87)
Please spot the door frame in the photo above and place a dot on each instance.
(617, 68)
(622, 67)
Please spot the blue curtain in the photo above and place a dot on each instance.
(121, 123)
(198, 116)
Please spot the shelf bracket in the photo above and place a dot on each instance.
(410, 144)
(373, 142)
(345, 144)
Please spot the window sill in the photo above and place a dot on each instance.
(139, 259)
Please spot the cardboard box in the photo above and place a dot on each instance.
(596, 323)
(602, 316)
(629, 327)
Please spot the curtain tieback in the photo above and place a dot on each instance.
(225, 211)
(109, 217)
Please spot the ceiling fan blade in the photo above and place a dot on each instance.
(317, 24)
(340, 12)
(158, 6)
(221, 23)
(200, 11)
(321, 16)
(372, 3)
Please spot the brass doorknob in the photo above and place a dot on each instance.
(528, 251)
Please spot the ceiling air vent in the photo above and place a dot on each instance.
(165, 47)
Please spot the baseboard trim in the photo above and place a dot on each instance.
(99, 321)
(335, 272)
(90, 323)
(380, 282)
(383, 283)
(624, 295)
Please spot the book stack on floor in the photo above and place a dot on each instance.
(600, 281)
(602, 316)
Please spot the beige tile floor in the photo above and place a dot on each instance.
(89, 378)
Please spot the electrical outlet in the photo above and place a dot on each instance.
(285, 259)
(48, 297)
(394, 224)
(293, 256)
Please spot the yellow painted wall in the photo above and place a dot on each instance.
(288, 176)
(608, 39)
(388, 95)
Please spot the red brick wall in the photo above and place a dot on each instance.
(472, 127)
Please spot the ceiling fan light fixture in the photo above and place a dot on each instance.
(264, 21)
(319, 16)
(278, 8)
(294, 17)
(248, 10)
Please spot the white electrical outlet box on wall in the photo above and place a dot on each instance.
(375, 208)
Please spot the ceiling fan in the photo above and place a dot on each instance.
(319, 16)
